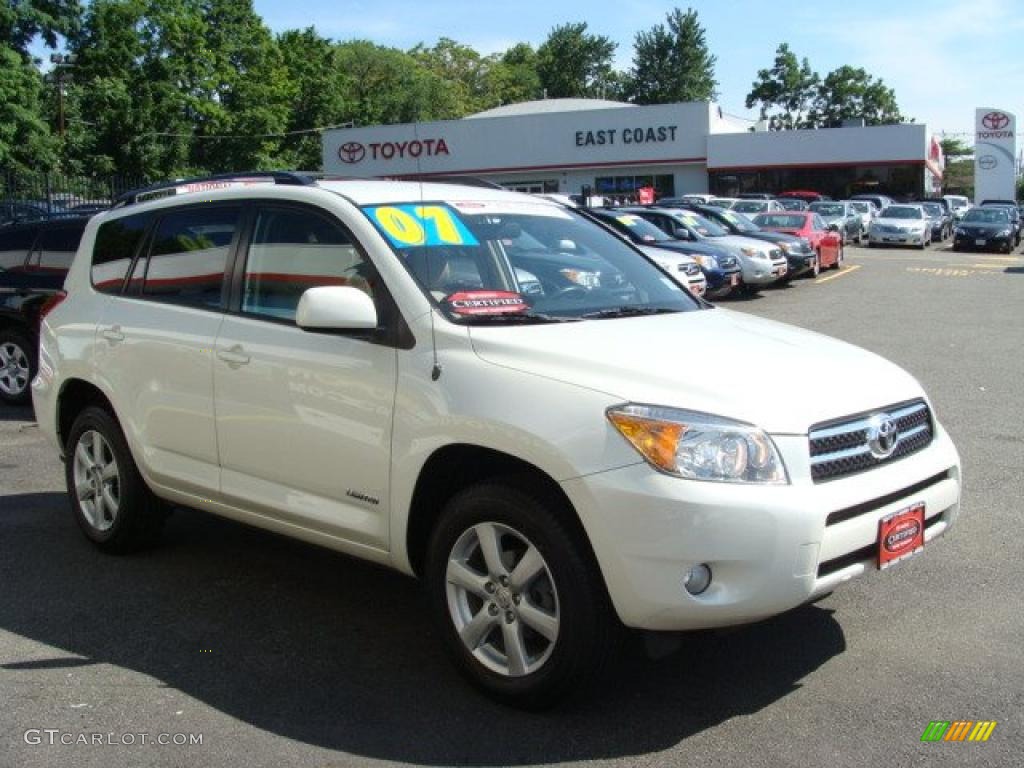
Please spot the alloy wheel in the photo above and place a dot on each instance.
(97, 480)
(502, 599)
(14, 371)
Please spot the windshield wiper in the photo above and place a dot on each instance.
(517, 318)
(629, 312)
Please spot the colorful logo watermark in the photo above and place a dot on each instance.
(958, 730)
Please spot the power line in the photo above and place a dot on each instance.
(218, 136)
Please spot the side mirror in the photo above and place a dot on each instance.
(336, 307)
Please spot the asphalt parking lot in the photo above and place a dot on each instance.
(278, 653)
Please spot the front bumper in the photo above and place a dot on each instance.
(897, 238)
(769, 547)
(722, 281)
(799, 263)
(980, 243)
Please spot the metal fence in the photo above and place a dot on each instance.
(34, 196)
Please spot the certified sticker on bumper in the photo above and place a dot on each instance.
(900, 535)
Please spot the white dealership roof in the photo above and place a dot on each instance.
(545, 106)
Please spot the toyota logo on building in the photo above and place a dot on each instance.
(883, 435)
(995, 121)
(987, 162)
(351, 152)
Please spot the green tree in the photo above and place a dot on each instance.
(22, 20)
(672, 63)
(462, 72)
(786, 92)
(512, 76)
(849, 93)
(25, 140)
(316, 99)
(954, 147)
(573, 63)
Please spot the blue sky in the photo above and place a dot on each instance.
(942, 57)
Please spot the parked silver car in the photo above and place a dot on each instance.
(843, 218)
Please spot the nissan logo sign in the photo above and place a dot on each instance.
(351, 152)
(995, 121)
(987, 162)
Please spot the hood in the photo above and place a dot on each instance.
(781, 378)
(660, 254)
(773, 237)
(900, 222)
(688, 246)
(741, 241)
(981, 226)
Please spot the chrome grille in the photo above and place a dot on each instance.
(841, 448)
(727, 262)
(690, 269)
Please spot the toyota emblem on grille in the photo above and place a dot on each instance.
(883, 435)
(351, 152)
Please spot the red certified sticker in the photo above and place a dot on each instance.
(900, 535)
(486, 302)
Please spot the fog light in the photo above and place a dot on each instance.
(697, 579)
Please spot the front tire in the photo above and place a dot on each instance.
(17, 367)
(519, 602)
(109, 499)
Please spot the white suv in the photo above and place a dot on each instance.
(482, 389)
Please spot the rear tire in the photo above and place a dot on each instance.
(17, 367)
(526, 641)
(110, 501)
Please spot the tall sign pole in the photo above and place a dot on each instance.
(995, 154)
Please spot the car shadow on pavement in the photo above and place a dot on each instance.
(17, 413)
(316, 647)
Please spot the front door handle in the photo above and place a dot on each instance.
(113, 334)
(234, 356)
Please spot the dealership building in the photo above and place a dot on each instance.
(567, 145)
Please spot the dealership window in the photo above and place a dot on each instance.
(839, 182)
(543, 187)
(627, 187)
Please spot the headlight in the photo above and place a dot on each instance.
(1004, 233)
(959, 231)
(706, 261)
(786, 247)
(699, 446)
(753, 253)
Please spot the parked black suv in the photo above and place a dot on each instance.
(34, 258)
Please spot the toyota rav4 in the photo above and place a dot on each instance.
(488, 391)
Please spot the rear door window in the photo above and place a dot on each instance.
(56, 248)
(14, 247)
(189, 254)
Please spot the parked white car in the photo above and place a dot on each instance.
(684, 269)
(754, 207)
(959, 205)
(901, 225)
(866, 210)
(354, 363)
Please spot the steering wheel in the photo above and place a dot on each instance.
(570, 291)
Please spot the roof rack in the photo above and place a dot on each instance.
(216, 181)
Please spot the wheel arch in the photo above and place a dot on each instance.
(437, 483)
(75, 396)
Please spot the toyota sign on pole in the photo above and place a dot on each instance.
(995, 152)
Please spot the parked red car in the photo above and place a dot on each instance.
(804, 194)
(811, 227)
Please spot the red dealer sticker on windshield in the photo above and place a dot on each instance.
(486, 302)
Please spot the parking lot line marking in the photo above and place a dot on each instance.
(981, 266)
(840, 273)
(1002, 258)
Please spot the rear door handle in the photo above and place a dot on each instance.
(234, 356)
(113, 334)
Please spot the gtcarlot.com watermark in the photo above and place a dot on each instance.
(56, 737)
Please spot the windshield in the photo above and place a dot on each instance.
(507, 262)
(700, 225)
(738, 221)
(902, 212)
(987, 216)
(933, 209)
(639, 229)
(780, 221)
(751, 206)
(828, 209)
(861, 206)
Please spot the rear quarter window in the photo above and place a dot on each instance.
(116, 244)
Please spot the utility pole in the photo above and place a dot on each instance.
(61, 61)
